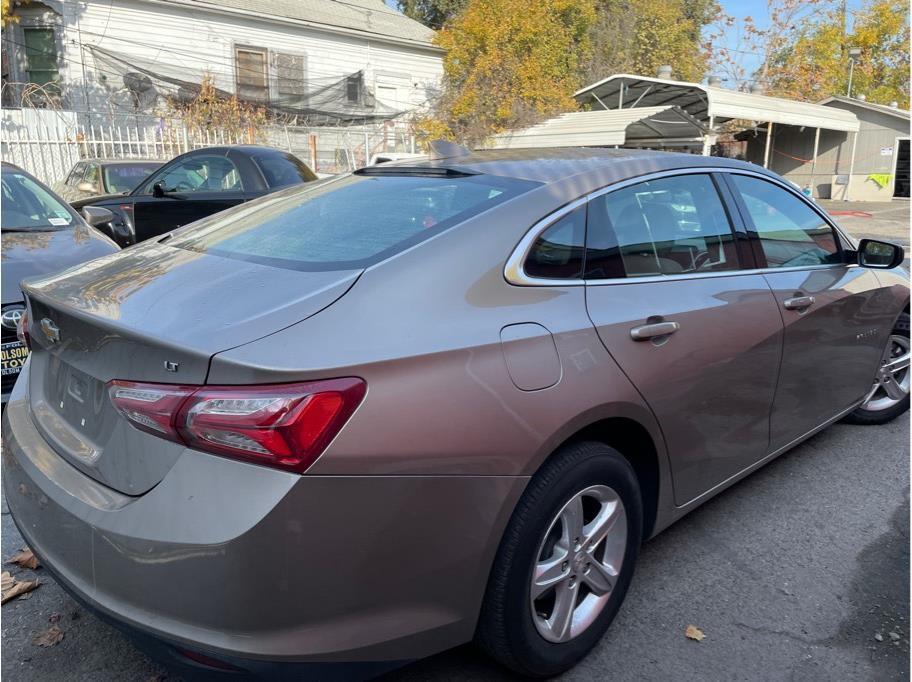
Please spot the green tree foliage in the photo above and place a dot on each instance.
(509, 63)
(432, 13)
(638, 36)
(814, 62)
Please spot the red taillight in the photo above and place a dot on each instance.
(282, 425)
(22, 332)
(150, 407)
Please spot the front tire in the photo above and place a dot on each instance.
(565, 562)
(889, 396)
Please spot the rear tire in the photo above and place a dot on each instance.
(878, 408)
(608, 494)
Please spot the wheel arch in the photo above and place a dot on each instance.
(636, 436)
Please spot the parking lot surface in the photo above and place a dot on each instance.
(792, 574)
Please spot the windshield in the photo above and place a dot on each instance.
(29, 206)
(348, 223)
(125, 177)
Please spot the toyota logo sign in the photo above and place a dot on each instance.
(11, 317)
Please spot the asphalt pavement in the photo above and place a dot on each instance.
(793, 573)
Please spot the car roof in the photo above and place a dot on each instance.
(224, 149)
(118, 162)
(548, 165)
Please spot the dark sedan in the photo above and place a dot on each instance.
(195, 185)
(41, 235)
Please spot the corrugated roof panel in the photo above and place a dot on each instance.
(602, 128)
(729, 104)
(703, 102)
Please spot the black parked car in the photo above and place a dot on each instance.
(41, 235)
(195, 185)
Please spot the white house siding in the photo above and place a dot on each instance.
(186, 41)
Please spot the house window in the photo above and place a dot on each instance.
(252, 84)
(41, 56)
(290, 71)
(353, 86)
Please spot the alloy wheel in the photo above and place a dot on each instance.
(578, 563)
(891, 383)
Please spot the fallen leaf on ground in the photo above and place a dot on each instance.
(13, 588)
(693, 632)
(24, 558)
(49, 637)
(55, 618)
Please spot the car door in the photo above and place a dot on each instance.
(193, 187)
(837, 319)
(697, 335)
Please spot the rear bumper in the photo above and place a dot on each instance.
(248, 564)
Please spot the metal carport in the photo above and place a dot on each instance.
(713, 106)
(667, 126)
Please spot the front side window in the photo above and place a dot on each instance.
(790, 233)
(198, 174)
(558, 251)
(352, 222)
(26, 205)
(668, 226)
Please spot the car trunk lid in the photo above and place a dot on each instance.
(151, 314)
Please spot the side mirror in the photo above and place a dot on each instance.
(876, 254)
(96, 215)
(158, 190)
(86, 187)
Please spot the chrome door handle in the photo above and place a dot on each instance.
(649, 331)
(798, 302)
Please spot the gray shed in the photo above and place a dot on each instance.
(881, 154)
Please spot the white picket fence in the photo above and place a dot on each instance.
(49, 143)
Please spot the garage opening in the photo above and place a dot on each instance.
(901, 186)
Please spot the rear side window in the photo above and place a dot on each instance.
(282, 170)
(790, 233)
(348, 223)
(558, 251)
(667, 226)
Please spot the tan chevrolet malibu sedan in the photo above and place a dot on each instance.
(371, 418)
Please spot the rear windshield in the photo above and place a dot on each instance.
(347, 223)
(126, 177)
(282, 170)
